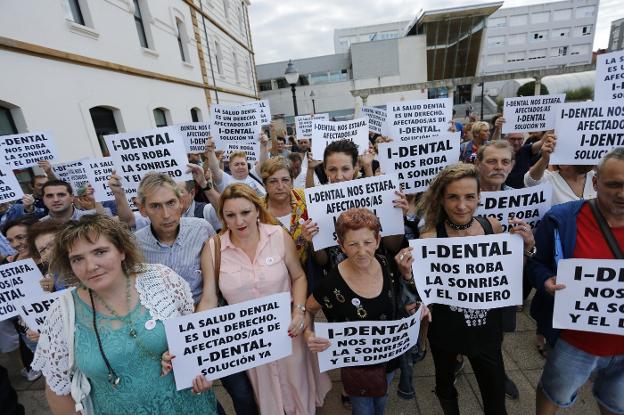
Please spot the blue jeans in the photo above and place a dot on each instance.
(568, 368)
(239, 388)
(371, 406)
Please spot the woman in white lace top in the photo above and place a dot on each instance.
(102, 347)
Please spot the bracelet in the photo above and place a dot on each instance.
(530, 253)
(207, 187)
(300, 307)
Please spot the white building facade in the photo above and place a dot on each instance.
(81, 69)
(616, 35)
(344, 38)
(547, 35)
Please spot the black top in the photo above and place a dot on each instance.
(464, 330)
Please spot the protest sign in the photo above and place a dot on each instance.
(529, 204)
(230, 339)
(418, 119)
(195, 135)
(586, 131)
(35, 310)
(10, 188)
(100, 170)
(366, 342)
(320, 117)
(376, 119)
(25, 150)
(326, 132)
(18, 280)
(609, 76)
(236, 128)
(417, 162)
(264, 109)
(160, 150)
(325, 203)
(524, 114)
(478, 272)
(593, 299)
(76, 173)
(303, 124)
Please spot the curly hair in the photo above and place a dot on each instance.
(90, 228)
(430, 204)
(243, 191)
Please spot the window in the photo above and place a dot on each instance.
(241, 20)
(218, 58)
(103, 119)
(496, 59)
(7, 124)
(537, 54)
(560, 51)
(579, 49)
(160, 116)
(540, 17)
(561, 15)
(195, 114)
(515, 57)
(497, 22)
(248, 70)
(226, 9)
(583, 30)
(235, 66)
(538, 36)
(138, 22)
(265, 85)
(181, 41)
(517, 39)
(586, 11)
(518, 20)
(495, 41)
(74, 13)
(560, 33)
(318, 78)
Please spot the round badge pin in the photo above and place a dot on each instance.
(301, 221)
(356, 302)
(269, 260)
(150, 324)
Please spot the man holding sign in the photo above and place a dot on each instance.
(581, 229)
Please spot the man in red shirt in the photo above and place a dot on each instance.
(571, 230)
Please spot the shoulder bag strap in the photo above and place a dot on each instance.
(216, 258)
(606, 230)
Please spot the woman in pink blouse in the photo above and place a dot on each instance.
(258, 259)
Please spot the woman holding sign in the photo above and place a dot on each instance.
(449, 208)
(102, 346)
(258, 259)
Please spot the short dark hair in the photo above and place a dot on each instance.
(347, 147)
(282, 139)
(26, 221)
(42, 228)
(57, 183)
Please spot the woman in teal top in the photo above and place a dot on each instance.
(107, 359)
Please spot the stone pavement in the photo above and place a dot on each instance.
(523, 364)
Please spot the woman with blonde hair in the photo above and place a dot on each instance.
(257, 259)
(480, 135)
(103, 344)
(449, 207)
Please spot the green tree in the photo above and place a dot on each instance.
(580, 94)
(528, 90)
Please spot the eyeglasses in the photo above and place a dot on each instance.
(45, 249)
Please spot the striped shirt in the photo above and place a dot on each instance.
(183, 255)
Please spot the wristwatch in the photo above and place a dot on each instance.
(530, 253)
(300, 307)
(207, 187)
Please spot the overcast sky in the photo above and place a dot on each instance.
(285, 29)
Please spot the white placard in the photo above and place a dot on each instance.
(360, 343)
(303, 126)
(35, 310)
(195, 135)
(263, 107)
(135, 154)
(417, 162)
(18, 280)
(76, 173)
(479, 272)
(325, 203)
(376, 119)
(320, 117)
(10, 188)
(593, 299)
(230, 339)
(100, 170)
(234, 126)
(25, 150)
(524, 114)
(609, 76)
(529, 204)
(587, 131)
(422, 118)
(326, 132)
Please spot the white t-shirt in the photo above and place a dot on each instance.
(285, 220)
(227, 180)
(562, 192)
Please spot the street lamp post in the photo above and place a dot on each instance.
(292, 76)
(312, 95)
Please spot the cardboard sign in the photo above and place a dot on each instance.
(135, 154)
(609, 76)
(25, 150)
(18, 280)
(477, 272)
(100, 170)
(593, 299)
(376, 119)
(524, 114)
(303, 124)
(529, 204)
(417, 162)
(264, 109)
(587, 131)
(366, 342)
(10, 188)
(423, 118)
(234, 124)
(326, 203)
(35, 310)
(231, 339)
(326, 132)
(76, 173)
(195, 135)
